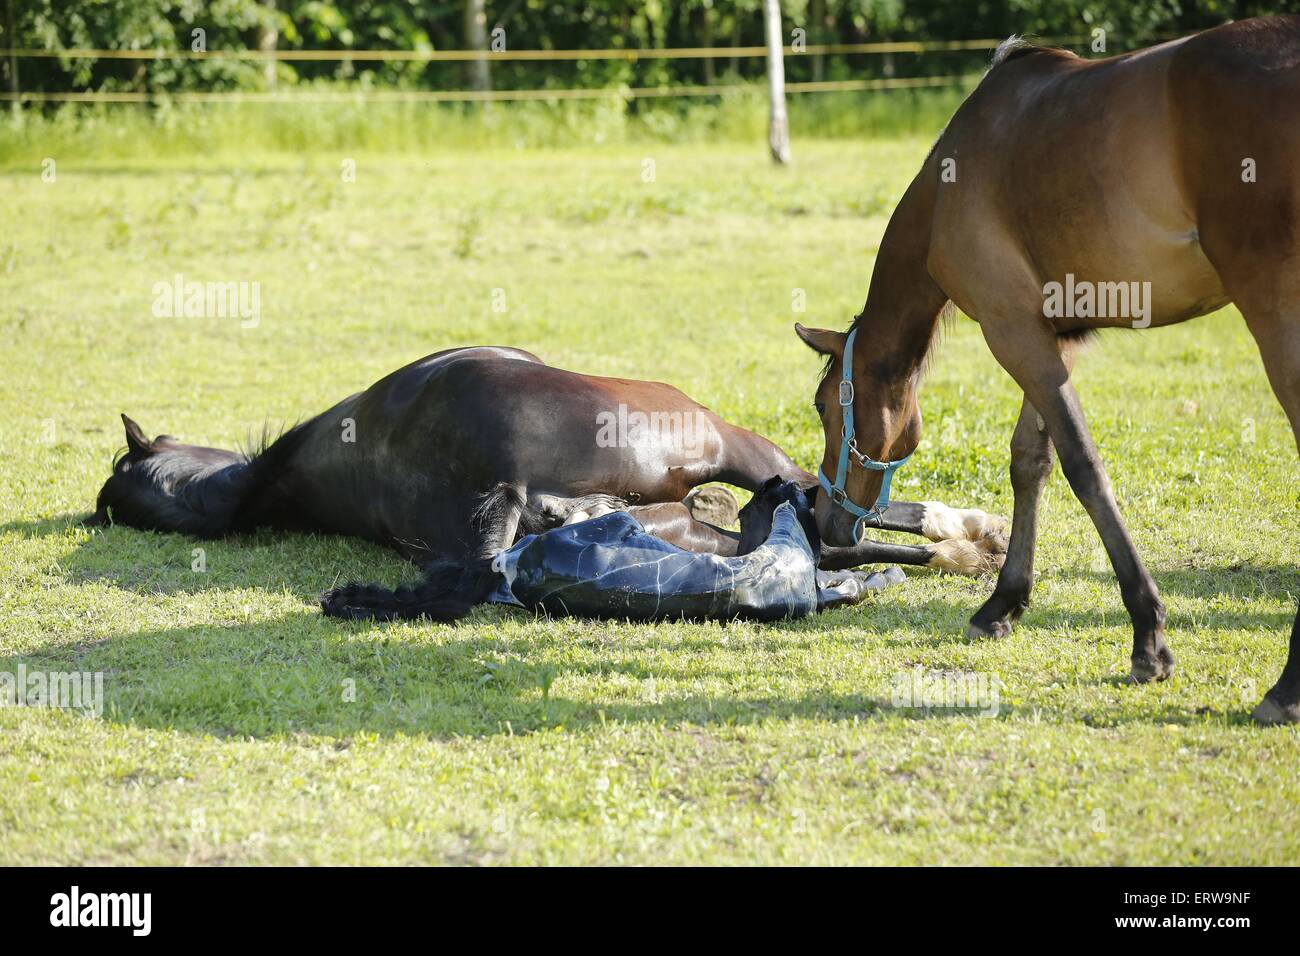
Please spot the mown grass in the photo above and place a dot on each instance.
(228, 734)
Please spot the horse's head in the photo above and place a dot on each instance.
(880, 405)
(756, 516)
(164, 485)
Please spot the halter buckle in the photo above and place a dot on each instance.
(846, 392)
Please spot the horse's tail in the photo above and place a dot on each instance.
(449, 589)
(448, 592)
(502, 505)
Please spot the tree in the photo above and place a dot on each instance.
(480, 71)
(268, 35)
(778, 124)
(12, 62)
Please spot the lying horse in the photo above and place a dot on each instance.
(456, 455)
(1106, 176)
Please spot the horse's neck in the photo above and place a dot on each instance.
(207, 498)
(265, 501)
(904, 303)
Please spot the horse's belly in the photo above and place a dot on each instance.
(1146, 279)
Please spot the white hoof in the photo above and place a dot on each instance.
(941, 523)
(965, 557)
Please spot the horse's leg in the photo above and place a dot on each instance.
(673, 522)
(748, 460)
(957, 556)
(553, 511)
(1031, 354)
(1275, 323)
(1031, 465)
(938, 522)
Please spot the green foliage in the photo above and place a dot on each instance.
(538, 24)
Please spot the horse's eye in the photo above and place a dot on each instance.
(821, 407)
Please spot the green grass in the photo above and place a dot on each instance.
(227, 736)
(296, 124)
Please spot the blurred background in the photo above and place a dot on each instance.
(557, 73)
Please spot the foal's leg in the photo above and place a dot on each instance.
(554, 511)
(747, 461)
(938, 522)
(673, 522)
(1032, 357)
(957, 556)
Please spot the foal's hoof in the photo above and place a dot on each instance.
(714, 505)
(971, 558)
(941, 523)
(1147, 668)
(977, 630)
(1270, 713)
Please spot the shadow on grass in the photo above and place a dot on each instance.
(304, 673)
(146, 562)
(1233, 581)
(43, 527)
(113, 555)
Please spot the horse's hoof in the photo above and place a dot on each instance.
(994, 548)
(713, 505)
(941, 523)
(977, 631)
(1147, 668)
(970, 558)
(1270, 713)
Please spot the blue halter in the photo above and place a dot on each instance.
(849, 447)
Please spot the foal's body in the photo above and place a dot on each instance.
(1179, 166)
(457, 454)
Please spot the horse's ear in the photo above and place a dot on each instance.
(822, 341)
(135, 437)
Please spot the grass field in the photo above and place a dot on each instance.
(230, 733)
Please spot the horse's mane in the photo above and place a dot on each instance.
(1016, 46)
(202, 492)
(267, 463)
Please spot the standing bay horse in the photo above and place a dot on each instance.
(1177, 166)
(456, 455)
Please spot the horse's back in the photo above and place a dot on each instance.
(1235, 93)
(1117, 170)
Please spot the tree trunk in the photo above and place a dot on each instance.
(735, 42)
(268, 38)
(476, 38)
(778, 125)
(706, 40)
(817, 21)
(11, 41)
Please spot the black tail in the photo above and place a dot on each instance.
(448, 592)
(450, 589)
